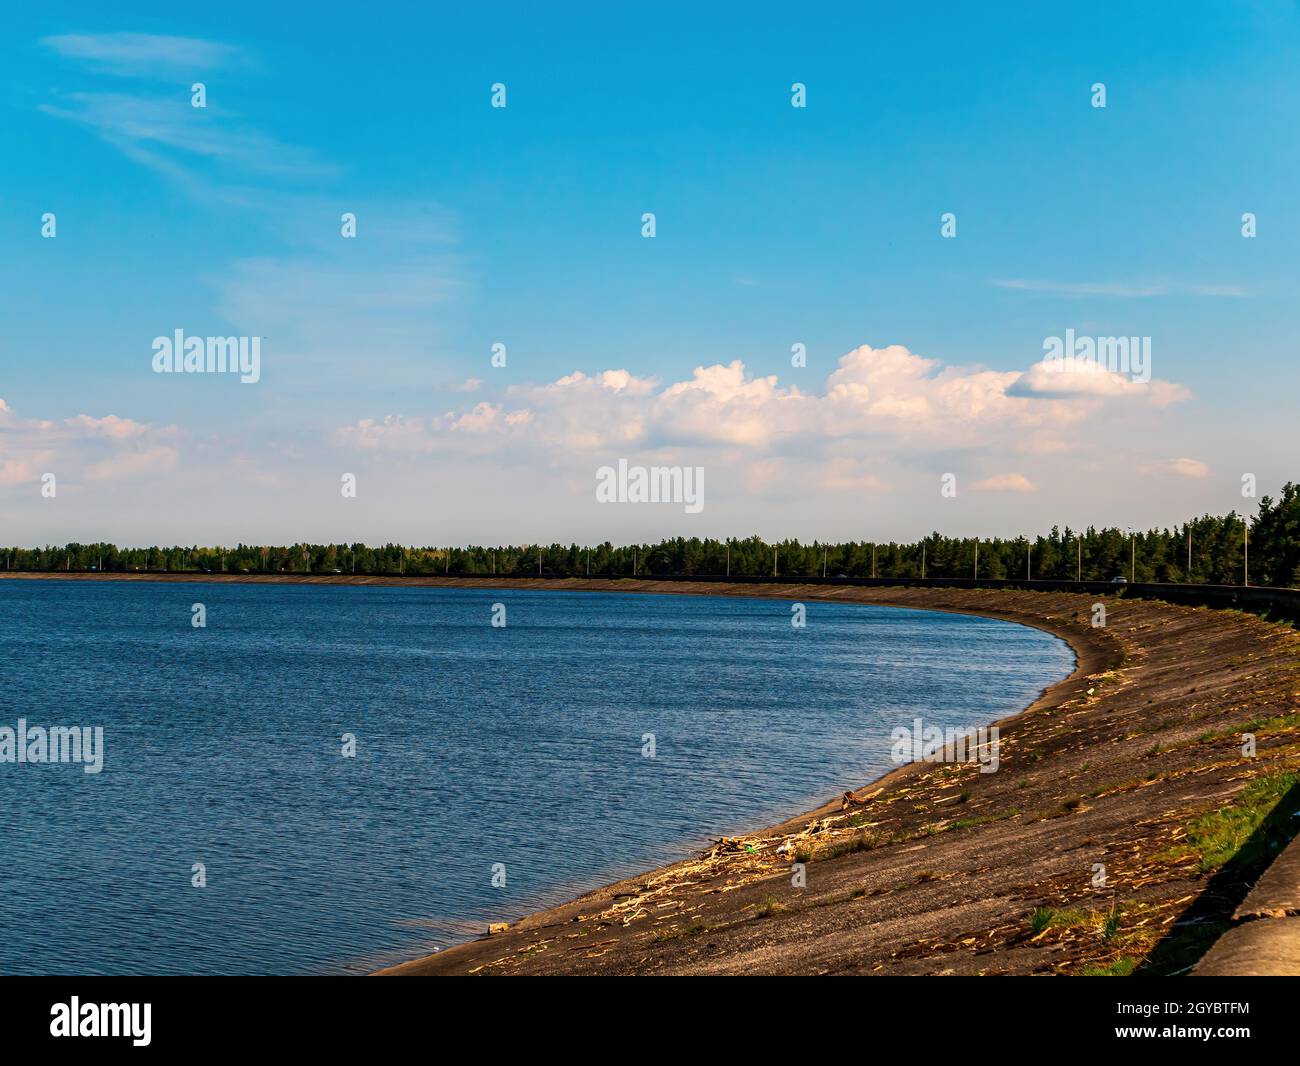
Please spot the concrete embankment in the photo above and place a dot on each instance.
(1132, 826)
(1264, 939)
(1128, 820)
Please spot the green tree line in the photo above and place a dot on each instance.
(1213, 549)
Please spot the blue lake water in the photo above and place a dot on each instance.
(474, 746)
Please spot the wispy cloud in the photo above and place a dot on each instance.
(1228, 291)
(332, 305)
(1118, 289)
(147, 54)
(148, 463)
(333, 314)
(202, 149)
(145, 127)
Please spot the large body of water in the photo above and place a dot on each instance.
(475, 746)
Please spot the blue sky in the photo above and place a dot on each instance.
(775, 225)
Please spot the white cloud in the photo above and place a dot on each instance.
(148, 463)
(1065, 378)
(15, 472)
(1010, 482)
(82, 447)
(143, 53)
(850, 474)
(109, 426)
(1083, 288)
(863, 447)
(198, 149)
(1185, 467)
(394, 433)
(878, 395)
(161, 132)
(1119, 289)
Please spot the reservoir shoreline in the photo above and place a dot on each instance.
(1075, 857)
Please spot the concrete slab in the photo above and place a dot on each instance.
(1277, 893)
(1268, 947)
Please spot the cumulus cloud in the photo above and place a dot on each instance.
(391, 433)
(1189, 467)
(109, 426)
(875, 394)
(468, 385)
(83, 447)
(1010, 482)
(1065, 378)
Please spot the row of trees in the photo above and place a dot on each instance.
(1212, 549)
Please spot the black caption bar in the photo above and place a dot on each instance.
(145, 1015)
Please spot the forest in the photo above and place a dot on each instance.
(1214, 549)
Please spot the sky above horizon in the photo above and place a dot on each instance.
(775, 226)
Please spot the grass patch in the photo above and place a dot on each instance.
(1278, 723)
(1122, 967)
(1104, 923)
(688, 930)
(1219, 836)
(1152, 727)
(833, 849)
(984, 819)
(1045, 918)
